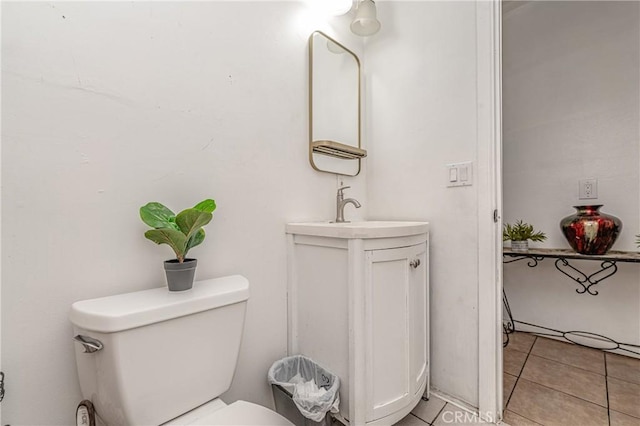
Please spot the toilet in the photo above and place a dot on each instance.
(156, 357)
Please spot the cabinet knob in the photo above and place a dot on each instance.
(414, 263)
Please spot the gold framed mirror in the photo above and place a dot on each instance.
(334, 107)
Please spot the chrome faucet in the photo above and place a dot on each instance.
(341, 202)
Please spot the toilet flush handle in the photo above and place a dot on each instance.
(90, 344)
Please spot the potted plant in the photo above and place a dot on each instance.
(519, 234)
(181, 232)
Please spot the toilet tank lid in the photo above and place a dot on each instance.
(125, 311)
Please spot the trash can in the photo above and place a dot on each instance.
(303, 391)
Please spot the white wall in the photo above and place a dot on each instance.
(571, 108)
(421, 89)
(107, 106)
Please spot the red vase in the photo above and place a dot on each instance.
(589, 231)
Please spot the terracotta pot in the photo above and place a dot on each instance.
(590, 232)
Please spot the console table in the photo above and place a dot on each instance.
(586, 283)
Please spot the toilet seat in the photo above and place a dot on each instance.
(240, 413)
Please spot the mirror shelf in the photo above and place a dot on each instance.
(338, 150)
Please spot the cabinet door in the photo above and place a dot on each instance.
(395, 310)
(419, 317)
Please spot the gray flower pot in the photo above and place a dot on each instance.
(520, 246)
(180, 275)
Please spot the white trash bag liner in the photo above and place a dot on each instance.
(314, 389)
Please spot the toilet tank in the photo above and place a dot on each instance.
(164, 353)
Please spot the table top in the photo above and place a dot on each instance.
(611, 255)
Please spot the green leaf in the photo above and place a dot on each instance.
(172, 224)
(191, 220)
(158, 216)
(521, 231)
(175, 239)
(196, 239)
(207, 206)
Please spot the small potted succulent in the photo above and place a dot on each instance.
(181, 232)
(519, 234)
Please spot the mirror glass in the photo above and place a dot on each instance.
(334, 119)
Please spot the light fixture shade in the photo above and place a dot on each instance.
(365, 23)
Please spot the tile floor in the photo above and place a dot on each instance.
(437, 412)
(551, 383)
(548, 382)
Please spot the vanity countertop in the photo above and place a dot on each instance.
(364, 229)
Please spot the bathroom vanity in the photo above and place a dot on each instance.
(358, 300)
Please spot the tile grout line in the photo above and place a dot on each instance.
(568, 394)
(606, 386)
(570, 365)
(623, 380)
(438, 415)
(506, 407)
(602, 351)
(559, 391)
(420, 418)
(519, 373)
(525, 417)
(605, 376)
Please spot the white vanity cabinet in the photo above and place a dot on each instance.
(358, 305)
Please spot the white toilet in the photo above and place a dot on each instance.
(157, 357)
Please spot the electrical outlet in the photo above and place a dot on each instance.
(587, 189)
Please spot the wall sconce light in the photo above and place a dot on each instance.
(365, 23)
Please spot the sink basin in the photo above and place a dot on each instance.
(365, 229)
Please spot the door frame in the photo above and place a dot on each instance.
(489, 143)
(1, 383)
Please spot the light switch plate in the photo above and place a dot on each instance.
(460, 174)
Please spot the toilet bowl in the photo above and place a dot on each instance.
(156, 357)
